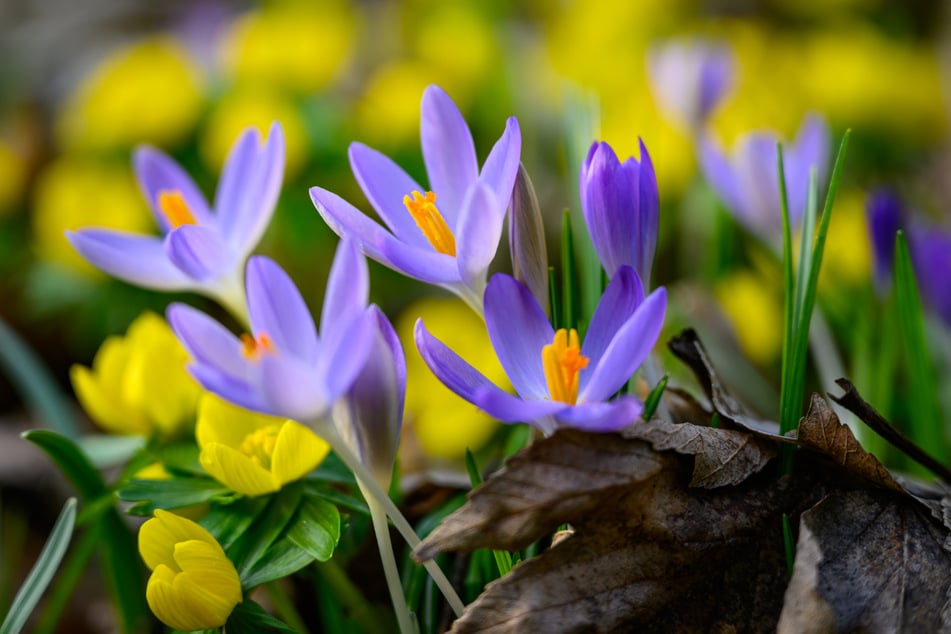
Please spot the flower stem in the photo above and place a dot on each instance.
(382, 529)
(349, 595)
(372, 490)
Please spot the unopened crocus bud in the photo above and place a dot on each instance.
(620, 203)
(931, 255)
(527, 239)
(884, 211)
(689, 78)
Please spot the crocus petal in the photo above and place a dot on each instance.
(512, 409)
(156, 172)
(719, 173)
(199, 252)
(249, 188)
(449, 367)
(627, 350)
(206, 340)
(648, 214)
(136, 259)
(758, 183)
(603, 416)
(385, 184)
(348, 287)
(448, 151)
(810, 149)
(232, 388)
(501, 166)
(343, 357)
(620, 299)
(480, 229)
(297, 451)
(236, 470)
(292, 388)
(277, 309)
(423, 263)
(518, 329)
(609, 202)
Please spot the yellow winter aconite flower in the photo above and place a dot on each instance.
(13, 177)
(443, 423)
(755, 310)
(148, 92)
(388, 111)
(252, 453)
(72, 193)
(194, 586)
(138, 383)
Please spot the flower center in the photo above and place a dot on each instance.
(259, 445)
(173, 206)
(562, 361)
(252, 348)
(424, 211)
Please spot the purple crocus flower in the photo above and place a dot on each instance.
(621, 206)
(282, 368)
(200, 250)
(748, 182)
(447, 235)
(931, 256)
(884, 212)
(560, 381)
(689, 78)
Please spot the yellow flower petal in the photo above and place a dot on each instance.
(103, 406)
(221, 422)
(297, 452)
(158, 536)
(236, 470)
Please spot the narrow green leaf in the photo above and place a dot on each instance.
(69, 457)
(70, 574)
(653, 399)
(316, 527)
(228, 522)
(42, 572)
(569, 288)
(926, 428)
(109, 450)
(250, 618)
(250, 547)
(475, 478)
(174, 493)
(503, 559)
(806, 242)
(35, 384)
(789, 546)
(789, 292)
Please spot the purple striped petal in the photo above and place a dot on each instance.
(449, 367)
(277, 309)
(511, 409)
(133, 258)
(377, 243)
(348, 288)
(501, 166)
(627, 350)
(156, 172)
(518, 330)
(620, 299)
(609, 202)
(448, 151)
(199, 252)
(602, 417)
(232, 389)
(385, 184)
(249, 188)
(207, 341)
(477, 240)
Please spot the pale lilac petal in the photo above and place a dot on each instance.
(501, 166)
(156, 173)
(627, 350)
(720, 175)
(448, 151)
(810, 149)
(277, 309)
(620, 299)
(385, 184)
(207, 341)
(249, 188)
(291, 388)
(480, 229)
(348, 288)
(449, 367)
(716, 76)
(512, 409)
(603, 416)
(758, 185)
(234, 390)
(199, 252)
(133, 258)
(518, 329)
(342, 357)
(377, 243)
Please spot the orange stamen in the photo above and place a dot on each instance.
(562, 361)
(424, 211)
(173, 206)
(252, 348)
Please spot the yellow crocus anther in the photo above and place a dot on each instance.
(562, 361)
(252, 348)
(173, 206)
(424, 211)
(254, 454)
(194, 586)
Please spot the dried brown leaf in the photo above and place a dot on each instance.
(721, 456)
(869, 561)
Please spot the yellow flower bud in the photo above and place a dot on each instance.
(194, 586)
(251, 453)
(138, 383)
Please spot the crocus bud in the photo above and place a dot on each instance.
(527, 239)
(690, 78)
(884, 210)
